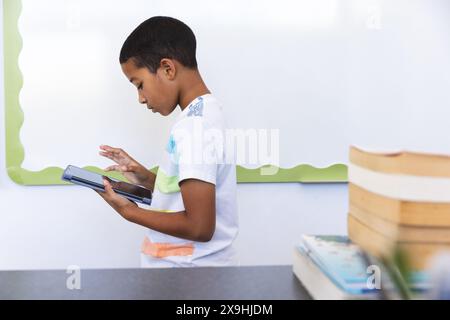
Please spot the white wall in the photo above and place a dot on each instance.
(396, 84)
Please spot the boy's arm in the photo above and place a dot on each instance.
(197, 222)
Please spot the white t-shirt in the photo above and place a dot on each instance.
(196, 149)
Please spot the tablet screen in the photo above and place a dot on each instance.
(130, 188)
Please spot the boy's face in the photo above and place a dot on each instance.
(158, 91)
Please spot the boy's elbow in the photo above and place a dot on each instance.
(205, 235)
(203, 230)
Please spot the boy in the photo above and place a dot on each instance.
(193, 217)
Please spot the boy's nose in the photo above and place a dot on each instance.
(142, 99)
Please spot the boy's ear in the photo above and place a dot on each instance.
(168, 68)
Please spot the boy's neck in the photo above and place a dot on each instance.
(194, 88)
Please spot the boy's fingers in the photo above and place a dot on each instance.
(110, 156)
(109, 152)
(116, 168)
(111, 168)
(108, 187)
(107, 155)
(113, 150)
(105, 147)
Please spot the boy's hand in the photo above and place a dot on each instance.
(131, 169)
(116, 201)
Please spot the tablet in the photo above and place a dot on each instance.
(94, 181)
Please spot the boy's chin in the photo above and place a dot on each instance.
(164, 113)
(153, 110)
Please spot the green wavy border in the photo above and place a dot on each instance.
(304, 173)
(52, 175)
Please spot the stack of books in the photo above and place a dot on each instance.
(399, 200)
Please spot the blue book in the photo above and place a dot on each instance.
(342, 262)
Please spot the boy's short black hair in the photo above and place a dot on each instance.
(157, 38)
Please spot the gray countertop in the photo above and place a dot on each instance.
(211, 283)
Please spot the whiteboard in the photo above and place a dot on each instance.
(324, 73)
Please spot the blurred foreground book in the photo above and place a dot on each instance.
(399, 201)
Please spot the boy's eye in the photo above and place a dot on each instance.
(140, 86)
